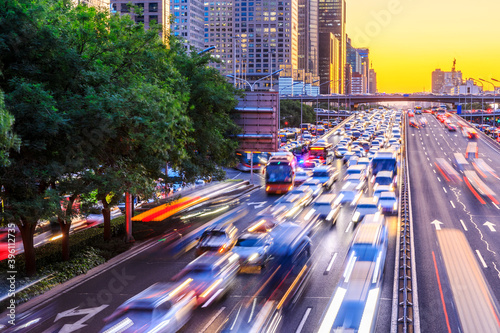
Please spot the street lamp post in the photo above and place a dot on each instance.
(251, 85)
(482, 100)
(317, 97)
(494, 92)
(206, 50)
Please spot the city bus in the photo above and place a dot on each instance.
(245, 160)
(384, 161)
(305, 127)
(323, 151)
(280, 173)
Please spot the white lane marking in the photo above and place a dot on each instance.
(348, 227)
(428, 159)
(481, 258)
(449, 159)
(452, 204)
(439, 179)
(236, 175)
(489, 159)
(463, 225)
(445, 190)
(331, 262)
(434, 170)
(213, 319)
(494, 204)
(303, 321)
(430, 164)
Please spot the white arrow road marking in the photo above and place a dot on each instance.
(437, 224)
(258, 204)
(89, 313)
(490, 225)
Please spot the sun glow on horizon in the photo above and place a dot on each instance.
(410, 39)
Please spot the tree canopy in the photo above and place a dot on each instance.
(100, 104)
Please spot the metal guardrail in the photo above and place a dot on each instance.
(405, 291)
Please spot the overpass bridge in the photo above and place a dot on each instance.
(371, 98)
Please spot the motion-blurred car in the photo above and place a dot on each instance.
(220, 239)
(364, 207)
(253, 249)
(353, 160)
(210, 276)
(315, 185)
(380, 189)
(388, 203)
(327, 208)
(349, 194)
(327, 175)
(302, 176)
(163, 307)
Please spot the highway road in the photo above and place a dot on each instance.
(82, 304)
(438, 205)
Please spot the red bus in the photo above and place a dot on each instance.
(280, 173)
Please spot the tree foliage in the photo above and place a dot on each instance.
(100, 104)
(290, 112)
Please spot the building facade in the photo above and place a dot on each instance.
(329, 63)
(157, 11)
(372, 81)
(188, 22)
(332, 19)
(357, 83)
(308, 36)
(446, 82)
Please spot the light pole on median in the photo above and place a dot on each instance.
(482, 100)
(251, 85)
(494, 92)
(206, 50)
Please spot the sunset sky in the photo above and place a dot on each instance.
(408, 39)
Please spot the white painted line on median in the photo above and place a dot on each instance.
(348, 227)
(481, 258)
(452, 204)
(213, 319)
(303, 321)
(463, 225)
(445, 190)
(331, 262)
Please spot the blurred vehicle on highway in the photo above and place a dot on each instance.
(315, 185)
(349, 194)
(253, 249)
(301, 176)
(163, 307)
(365, 206)
(219, 239)
(327, 175)
(210, 276)
(327, 208)
(388, 203)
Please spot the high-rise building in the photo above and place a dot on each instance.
(372, 81)
(188, 22)
(218, 32)
(103, 4)
(308, 36)
(329, 63)
(446, 82)
(353, 57)
(365, 66)
(332, 19)
(357, 83)
(153, 11)
(348, 78)
(256, 37)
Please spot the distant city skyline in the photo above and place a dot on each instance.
(408, 40)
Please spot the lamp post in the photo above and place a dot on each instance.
(482, 99)
(494, 92)
(251, 85)
(234, 58)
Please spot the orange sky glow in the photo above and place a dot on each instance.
(409, 39)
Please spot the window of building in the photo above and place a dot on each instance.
(153, 7)
(125, 8)
(139, 19)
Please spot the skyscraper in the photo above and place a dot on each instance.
(329, 74)
(188, 22)
(372, 81)
(153, 11)
(332, 19)
(308, 36)
(255, 37)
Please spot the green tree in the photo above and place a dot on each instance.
(8, 140)
(290, 112)
(211, 112)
